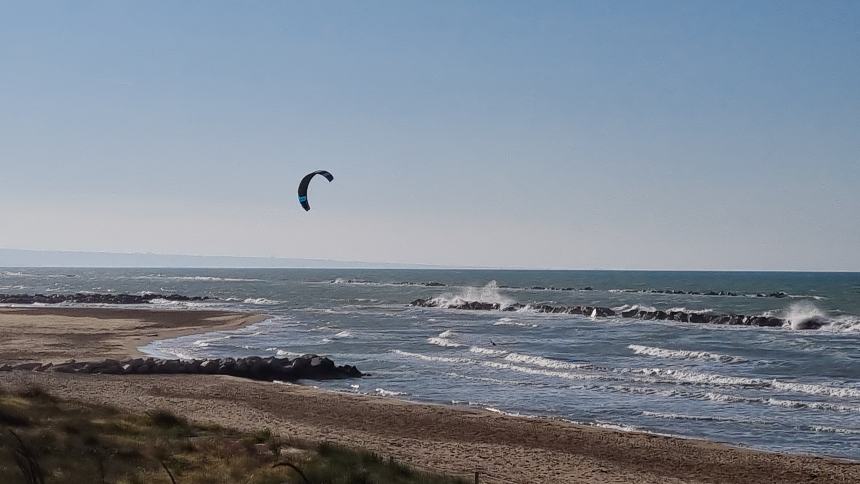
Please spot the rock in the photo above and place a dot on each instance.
(253, 367)
(814, 322)
(227, 366)
(681, 316)
(209, 367)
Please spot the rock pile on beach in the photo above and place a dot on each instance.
(814, 322)
(87, 298)
(310, 367)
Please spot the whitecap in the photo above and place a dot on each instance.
(260, 301)
(486, 351)
(545, 362)
(683, 354)
(443, 342)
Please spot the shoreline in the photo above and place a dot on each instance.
(443, 438)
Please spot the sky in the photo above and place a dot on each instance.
(584, 135)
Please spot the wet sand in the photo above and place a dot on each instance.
(442, 438)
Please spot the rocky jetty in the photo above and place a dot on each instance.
(94, 298)
(310, 367)
(778, 295)
(635, 313)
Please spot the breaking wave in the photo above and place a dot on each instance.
(443, 339)
(486, 294)
(735, 381)
(684, 355)
(776, 402)
(443, 342)
(260, 301)
(545, 362)
(800, 314)
(486, 351)
(497, 365)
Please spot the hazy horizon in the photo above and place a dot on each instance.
(548, 135)
(23, 258)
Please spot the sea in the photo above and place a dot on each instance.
(775, 389)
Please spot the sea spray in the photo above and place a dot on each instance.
(489, 293)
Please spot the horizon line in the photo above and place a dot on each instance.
(331, 263)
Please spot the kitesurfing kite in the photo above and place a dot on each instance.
(303, 186)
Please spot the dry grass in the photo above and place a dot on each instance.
(70, 442)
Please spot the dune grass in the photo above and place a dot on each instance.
(47, 440)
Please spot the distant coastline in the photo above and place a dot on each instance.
(51, 258)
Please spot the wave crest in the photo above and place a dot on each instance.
(684, 355)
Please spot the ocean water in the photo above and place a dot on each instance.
(776, 389)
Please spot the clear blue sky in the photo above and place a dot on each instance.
(663, 135)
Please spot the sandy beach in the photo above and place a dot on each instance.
(50, 334)
(442, 438)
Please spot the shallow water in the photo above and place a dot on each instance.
(769, 388)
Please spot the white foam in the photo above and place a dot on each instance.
(539, 371)
(702, 378)
(814, 389)
(443, 342)
(822, 428)
(440, 359)
(487, 294)
(634, 307)
(689, 311)
(705, 418)
(683, 354)
(611, 426)
(388, 393)
(512, 322)
(722, 380)
(486, 351)
(775, 402)
(545, 362)
(798, 313)
(343, 334)
(260, 301)
(501, 366)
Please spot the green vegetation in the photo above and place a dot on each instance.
(48, 440)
